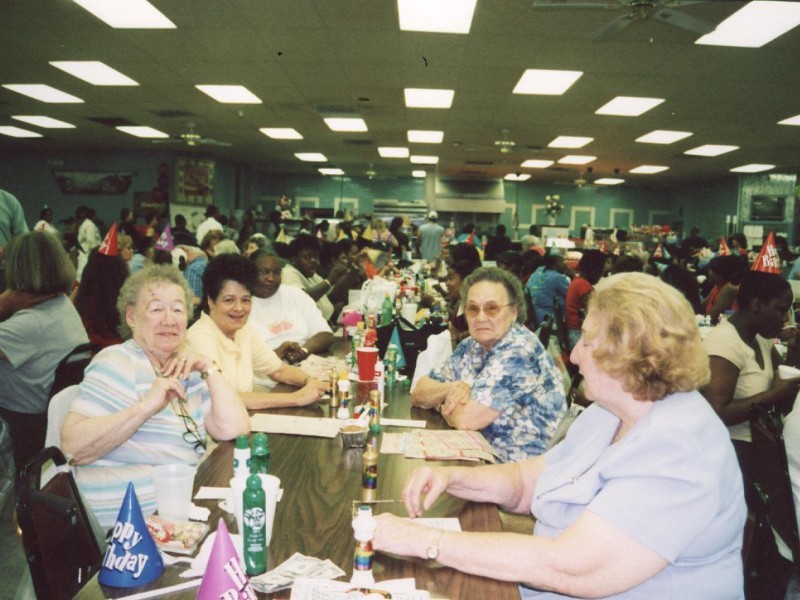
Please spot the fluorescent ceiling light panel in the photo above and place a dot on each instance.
(230, 94)
(428, 98)
(127, 14)
(45, 93)
(546, 82)
(330, 171)
(44, 122)
(795, 120)
(424, 160)
(311, 157)
(536, 163)
(711, 150)
(18, 132)
(422, 136)
(568, 141)
(142, 131)
(752, 168)
(346, 124)
(436, 16)
(663, 136)
(281, 133)
(754, 25)
(576, 159)
(517, 177)
(609, 181)
(388, 152)
(418, 173)
(628, 106)
(648, 169)
(93, 71)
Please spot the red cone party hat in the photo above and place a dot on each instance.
(768, 260)
(659, 251)
(109, 245)
(132, 557)
(723, 248)
(225, 576)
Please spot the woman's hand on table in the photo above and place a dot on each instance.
(425, 481)
(311, 392)
(396, 535)
(459, 394)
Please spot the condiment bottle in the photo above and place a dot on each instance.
(260, 459)
(344, 396)
(254, 519)
(241, 456)
(364, 530)
(369, 472)
(334, 401)
(371, 334)
(374, 411)
(387, 308)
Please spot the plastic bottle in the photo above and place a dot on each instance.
(241, 456)
(369, 472)
(344, 396)
(334, 378)
(387, 310)
(390, 362)
(260, 457)
(254, 519)
(371, 334)
(375, 411)
(380, 371)
(363, 530)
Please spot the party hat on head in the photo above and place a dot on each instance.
(132, 557)
(224, 575)
(281, 238)
(367, 235)
(723, 248)
(659, 251)
(165, 242)
(768, 260)
(109, 245)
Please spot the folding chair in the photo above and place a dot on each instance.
(61, 548)
(70, 369)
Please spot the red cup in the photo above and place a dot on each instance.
(366, 356)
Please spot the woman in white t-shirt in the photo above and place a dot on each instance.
(743, 359)
(286, 317)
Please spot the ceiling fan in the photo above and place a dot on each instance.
(636, 10)
(191, 138)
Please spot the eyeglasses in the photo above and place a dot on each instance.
(192, 434)
(491, 310)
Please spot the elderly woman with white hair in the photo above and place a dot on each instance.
(643, 499)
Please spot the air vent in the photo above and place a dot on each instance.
(111, 121)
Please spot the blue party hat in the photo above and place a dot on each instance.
(132, 557)
(395, 339)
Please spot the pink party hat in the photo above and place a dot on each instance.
(768, 260)
(109, 245)
(224, 576)
(165, 241)
(132, 557)
(723, 248)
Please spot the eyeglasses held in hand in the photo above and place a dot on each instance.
(192, 435)
(491, 310)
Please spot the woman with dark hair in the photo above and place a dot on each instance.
(33, 309)
(396, 228)
(96, 297)
(738, 243)
(223, 334)
(302, 273)
(590, 270)
(546, 284)
(464, 259)
(743, 358)
(724, 273)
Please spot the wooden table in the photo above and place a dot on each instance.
(320, 481)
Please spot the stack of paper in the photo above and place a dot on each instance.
(448, 445)
(320, 366)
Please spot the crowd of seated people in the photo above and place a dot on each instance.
(222, 325)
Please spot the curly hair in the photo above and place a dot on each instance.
(227, 267)
(508, 280)
(150, 276)
(647, 336)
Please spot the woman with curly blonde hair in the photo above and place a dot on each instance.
(643, 499)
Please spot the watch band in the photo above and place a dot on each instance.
(208, 371)
(433, 550)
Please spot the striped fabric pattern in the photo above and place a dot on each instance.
(118, 378)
